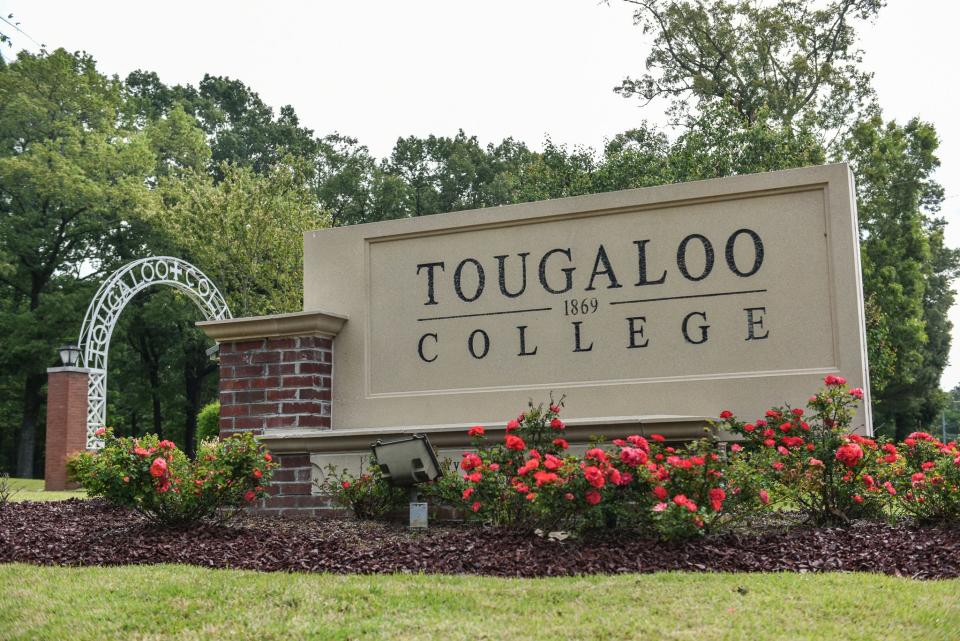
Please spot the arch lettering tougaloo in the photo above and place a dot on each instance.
(105, 309)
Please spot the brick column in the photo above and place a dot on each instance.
(274, 383)
(66, 422)
(276, 375)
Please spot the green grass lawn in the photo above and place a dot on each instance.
(32, 490)
(180, 602)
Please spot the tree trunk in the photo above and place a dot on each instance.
(196, 368)
(32, 400)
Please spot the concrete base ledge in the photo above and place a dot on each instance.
(674, 428)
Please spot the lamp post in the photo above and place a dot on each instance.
(69, 355)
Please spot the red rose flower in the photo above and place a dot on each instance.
(257, 474)
(557, 424)
(658, 438)
(267, 457)
(594, 476)
(555, 409)
(476, 506)
(561, 443)
(512, 425)
(592, 497)
(892, 490)
(551, 462)
(764, 497)
(660, 492)
(345, 485)
(633, 456)
(515, 443)
(640, 442)
(596, 454)
(470, 461)
(250, 495)
(100, 431)
(467, 493)
(159, 468)
(857, 498)
(857, 393)
(717, 496)
(545, 478)
(476, 431)
(749, 427)
(725, 414)
(849, 454)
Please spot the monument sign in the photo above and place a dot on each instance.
(671, 301)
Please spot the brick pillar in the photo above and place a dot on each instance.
(275, 383)
(276, 374)
(66, 422)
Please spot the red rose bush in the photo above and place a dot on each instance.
(155, 478)
(923, 475)
(530, 480)
(810, 460)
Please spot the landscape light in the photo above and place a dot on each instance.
(69, 355)
(407, 461)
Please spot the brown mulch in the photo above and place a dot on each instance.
(92, 533)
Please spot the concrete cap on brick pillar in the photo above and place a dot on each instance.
(311, 323)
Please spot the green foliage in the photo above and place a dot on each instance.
(7, 491)
(907, 269)
(258, 221)
(790, 59)
(157, 479)
(208, 422)
(367, 495)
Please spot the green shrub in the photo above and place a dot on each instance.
(156, 479)
(208, 422)
(369, 496)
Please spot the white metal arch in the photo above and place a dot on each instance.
(105, 308)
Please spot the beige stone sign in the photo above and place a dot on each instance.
(672, 302)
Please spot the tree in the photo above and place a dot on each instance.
(240, 127)
(907, 268)
(787, 59)
(70, 176)
(245, 231)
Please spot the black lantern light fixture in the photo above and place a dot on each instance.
(69, 355)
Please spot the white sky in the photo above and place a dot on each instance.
(382, 69)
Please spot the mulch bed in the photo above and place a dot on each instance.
(92, 533)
